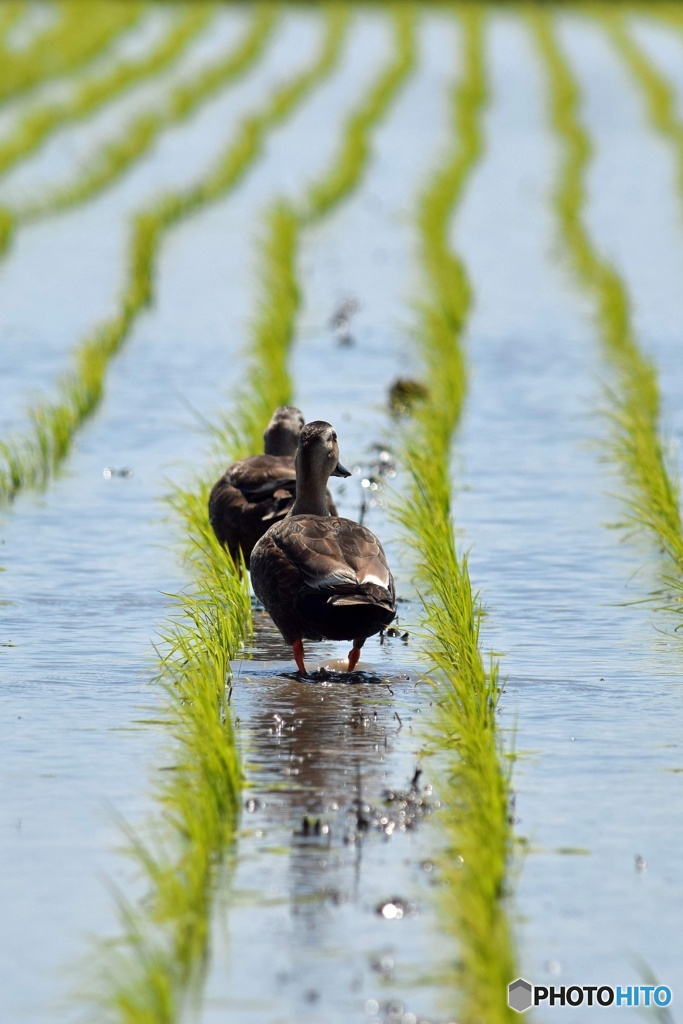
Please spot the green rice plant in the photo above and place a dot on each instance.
(267, 382)
(146, 975)
(94, 93)
(652, 500)
(31, 458)
(354, 153)
(84, 29)
(658, 93)
(161, 951)
(139, 136)
(474, 781)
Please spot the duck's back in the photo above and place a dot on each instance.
(251, 495)
(323, 576)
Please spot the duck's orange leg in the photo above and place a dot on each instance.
(298, 652)
(354, 655)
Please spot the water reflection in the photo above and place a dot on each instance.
(330, 818)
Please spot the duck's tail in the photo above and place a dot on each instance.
(366, 593)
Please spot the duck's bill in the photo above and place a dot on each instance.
(340, 470)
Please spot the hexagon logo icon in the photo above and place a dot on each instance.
(519, 995)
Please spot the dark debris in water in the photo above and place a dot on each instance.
(312, 827)
(404, 394)
(340, 321)
(400, 811)
(392, 632)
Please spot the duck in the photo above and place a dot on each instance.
(318, 575)
(259, 490)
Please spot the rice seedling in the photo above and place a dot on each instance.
(79, 34)
(139, 136)
(658, 93)
(353, 156)
(159, 956)
(475, 785)
(156, 963)
(94, 93)
(30, 459)
(267, 382)
(652, 501)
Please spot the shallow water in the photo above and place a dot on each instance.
(85, 287)
(281, 947)
(593, 684)
(593, 690)
(131, 45)
(87, 565)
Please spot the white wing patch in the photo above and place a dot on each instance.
(371, 578)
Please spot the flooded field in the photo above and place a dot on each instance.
(348, 825)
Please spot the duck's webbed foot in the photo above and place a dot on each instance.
(298, 652)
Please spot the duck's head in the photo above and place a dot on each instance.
(281, 436)
(317, 456)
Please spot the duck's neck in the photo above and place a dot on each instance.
(311, 495)
(279, 442)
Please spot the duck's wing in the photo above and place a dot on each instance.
(334, 554)
(262, 477)
(251, 495)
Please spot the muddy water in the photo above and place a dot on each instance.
(593, 688)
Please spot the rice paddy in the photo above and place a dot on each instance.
(475, 206)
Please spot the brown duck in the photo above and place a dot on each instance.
(318, 575)
(257, 491)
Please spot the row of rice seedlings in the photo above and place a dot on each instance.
(30, 459)
(353, 156)
(267, 381)
(634, 403)
(81, 32)
(159, 958)
(474, 779)
(162, 950)
(275, 326)
(139, 136)
(659, 94)
(93, 93)
(155, 965)
(161, 953)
